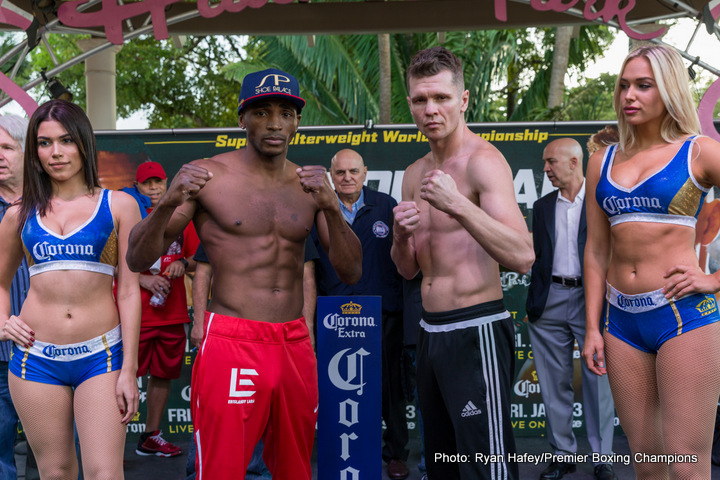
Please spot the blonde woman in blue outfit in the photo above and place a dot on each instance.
(74, 356)
(660, 340)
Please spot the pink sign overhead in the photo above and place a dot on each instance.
(11, 15)
(111, 16)
(594, 9)
(210, 11)
(705, 110)
(14, 91)
(714, 8)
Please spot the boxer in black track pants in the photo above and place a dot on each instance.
(457, 222)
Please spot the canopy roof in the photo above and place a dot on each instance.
(370, 16)
(120, 21)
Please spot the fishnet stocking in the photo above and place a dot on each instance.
(46, 415)
(46, 412)
(102, 435)
(667, 402)
(688, 369)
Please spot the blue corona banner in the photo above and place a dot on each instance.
(349, 374)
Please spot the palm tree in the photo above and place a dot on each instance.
(333, 75)
(589, 45)
(343, 78)
(385, 78)
(561, 57)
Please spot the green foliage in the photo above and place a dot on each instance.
(175, 87)
(486, 60)
(332, 74)
(507, 73)
(7, 42)
(178, 87)
(535, 64)
(591, 101)
(64, 47)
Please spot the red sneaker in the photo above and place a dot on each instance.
(153, 444)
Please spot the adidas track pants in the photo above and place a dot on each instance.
(465, 367)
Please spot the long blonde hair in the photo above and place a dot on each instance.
(673, 83)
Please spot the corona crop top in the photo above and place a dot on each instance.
(92, 247)
(670, 195)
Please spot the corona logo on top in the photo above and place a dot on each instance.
(351, 324)
(351, 308)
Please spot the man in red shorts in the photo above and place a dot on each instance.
(255, 375)
(164, 315)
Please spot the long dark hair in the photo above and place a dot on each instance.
(37, 186)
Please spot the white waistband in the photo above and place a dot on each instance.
(682, 220)
(75, 351)
(639, 303)
(72, 265)
(473, 322)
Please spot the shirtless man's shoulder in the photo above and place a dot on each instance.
(486, 164)
(221, 163)
(481, 149)
(418, 167)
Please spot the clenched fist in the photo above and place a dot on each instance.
(439, 190)
(407, 219)
(186, 184)
(314, 180)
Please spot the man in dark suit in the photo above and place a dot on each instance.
(556, 314)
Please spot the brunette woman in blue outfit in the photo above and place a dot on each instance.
(74, 356)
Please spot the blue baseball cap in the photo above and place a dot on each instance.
(269, 83)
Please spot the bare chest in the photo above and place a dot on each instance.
(436, 221)
(254, 211)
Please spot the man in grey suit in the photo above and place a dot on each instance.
(556, 313)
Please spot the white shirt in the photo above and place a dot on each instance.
(566, 261)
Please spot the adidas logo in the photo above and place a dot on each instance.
(470, 410)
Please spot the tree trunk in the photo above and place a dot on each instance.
(561, 57)
(385, 83)
(512, 90)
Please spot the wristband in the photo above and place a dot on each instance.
(184, 262)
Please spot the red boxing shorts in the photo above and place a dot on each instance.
(161, 351)
(250, 380)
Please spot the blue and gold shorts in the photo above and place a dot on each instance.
(68, 364)
(647, 320)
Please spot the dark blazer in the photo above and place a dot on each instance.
(373, 227)
(543, 232)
